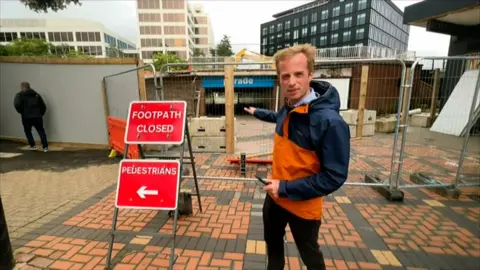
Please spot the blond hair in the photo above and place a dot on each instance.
(306, 49)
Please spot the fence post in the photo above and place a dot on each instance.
(406, 110)
(142, 91)
(229, 107)
(436, 87)
(361, 102)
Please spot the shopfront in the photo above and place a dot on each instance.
(257, 91)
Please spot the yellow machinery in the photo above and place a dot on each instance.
(249, 55)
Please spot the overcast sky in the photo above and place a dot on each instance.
(238, 19)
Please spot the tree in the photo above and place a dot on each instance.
(224, 48)
(38, 47)
(160, 59)
(197, 52)
(44, 5)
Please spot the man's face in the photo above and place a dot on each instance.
(294, 77)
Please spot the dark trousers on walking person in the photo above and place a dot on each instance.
(37, 123)
(305, 234)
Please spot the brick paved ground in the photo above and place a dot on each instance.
(360, 229)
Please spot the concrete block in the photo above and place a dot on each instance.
(368, 130)
(351, 116)
(385, 125)
(420, 120)
(207, 126)
(215, 144)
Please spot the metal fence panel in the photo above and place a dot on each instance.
(378, 94)
(441, 149)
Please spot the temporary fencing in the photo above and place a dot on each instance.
(441, 149)
(371, 91)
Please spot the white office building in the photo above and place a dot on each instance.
(175, 27)
(89, 37)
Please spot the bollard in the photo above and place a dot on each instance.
(243, 164)
(6, 253)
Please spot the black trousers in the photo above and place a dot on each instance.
(305, 234)
(37, 123)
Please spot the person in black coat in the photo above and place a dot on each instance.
(30, 105)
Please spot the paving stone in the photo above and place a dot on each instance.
(360, 229)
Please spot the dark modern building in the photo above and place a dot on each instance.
(337, 23)
(461, 20)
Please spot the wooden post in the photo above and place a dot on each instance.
(362, 100)
(142, 89)
(229, 107)
(436, 88)
(405, 110)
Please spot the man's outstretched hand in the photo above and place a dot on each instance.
(250, 110)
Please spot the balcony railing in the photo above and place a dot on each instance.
(363, 52)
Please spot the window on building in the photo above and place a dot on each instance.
(305, 20)
(304, 32)
(287, 25)
(272, 29)
(279, 27)
(323, 27)
(169, 4)
(264, 41)
(347, 22)
(335, 25)
(61, 37)
(148, 4)
(336, 11)
(33, 35)
(313, 29)
(91, 50)
(88, 36)
(334, 38)
(173, 17)
(323, 40)
(265, 31)
(313, 41)
(287, 35)
(360, 33)
(348, 8)
(149, 17)
(362, 4)
(296, 22)
(295, 34)
(361, 18)
(150, 30)
(314, 17)
(151, 42)
(8, 36)
(324, 14)
(346, 36)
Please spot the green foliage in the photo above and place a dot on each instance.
(224, 48)
(45, 5)
(38, 47)
(160, 59)
(198, 53)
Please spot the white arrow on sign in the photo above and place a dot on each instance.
(142, 191)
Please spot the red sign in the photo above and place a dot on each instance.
(156, 122)
(148, 184)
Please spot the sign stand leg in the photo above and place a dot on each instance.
(114, 221)
(192, 161)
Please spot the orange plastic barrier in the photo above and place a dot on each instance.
(116, 137)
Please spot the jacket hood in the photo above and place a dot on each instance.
(328, 97)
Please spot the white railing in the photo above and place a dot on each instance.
(363, 52)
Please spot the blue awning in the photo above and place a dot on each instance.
(240, 82)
